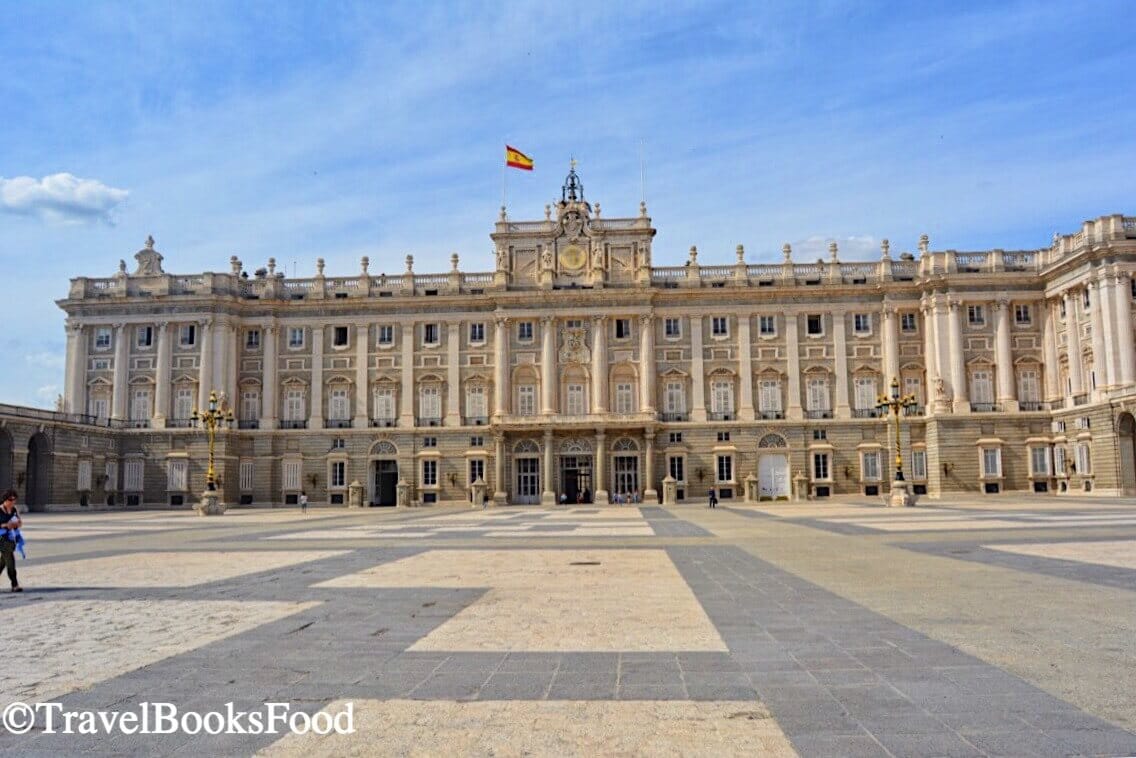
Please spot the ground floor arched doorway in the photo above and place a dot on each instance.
(773, 476)
(6, 479)
(38, 481)
(1126, 431)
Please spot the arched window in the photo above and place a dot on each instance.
(772, 440)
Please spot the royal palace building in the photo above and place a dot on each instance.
(576, 368)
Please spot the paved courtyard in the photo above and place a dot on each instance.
(987, 627)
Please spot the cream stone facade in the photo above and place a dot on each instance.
(577, 368)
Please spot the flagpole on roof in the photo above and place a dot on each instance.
(504, 170)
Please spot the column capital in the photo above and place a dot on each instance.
(1001, 304)
(645, 319)
(501, 321)
(73, 327)
(547, 319)
(119, 326)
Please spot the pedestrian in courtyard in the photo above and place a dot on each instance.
(9, 523)
(303, 502)
(713, 498)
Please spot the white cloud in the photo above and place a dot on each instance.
(61, 198)
(47, 394)
(46, 360)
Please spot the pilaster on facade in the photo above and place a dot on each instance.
(362, 376)
(599, 365)
(1004, 357)
(1126, 345)
(647, 364)
(269, 381)
(794, 411)
(453, 374)
(548, 380)
(315, 420)
(840, 351)
(162, 377)
(960, 402)
(406, 391)
(1073, 346)
(121, 375)
(501, 388)
(697, 372)
(745, 369)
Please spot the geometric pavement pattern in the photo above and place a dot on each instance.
(363, 612)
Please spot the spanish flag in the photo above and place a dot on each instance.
(516, 159)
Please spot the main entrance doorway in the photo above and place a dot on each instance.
(576, 478)
(773, 476)
(1126, 429)
(386, 482)
(528, 481)
(626, 469)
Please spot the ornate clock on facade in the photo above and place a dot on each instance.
(573, 258)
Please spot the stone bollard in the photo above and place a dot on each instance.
(800, 487)
(479, 493)
(402, 494)
(670, 490)
(210, 504)
(355, 495)
(751, 495)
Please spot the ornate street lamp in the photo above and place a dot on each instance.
(899, 494)
(212, 418)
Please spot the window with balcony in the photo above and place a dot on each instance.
(624, 397)
(295, 409)
(476, 408)
(817, 395)
(339, 405)
(981, 387)
(140, 406)
(183, 403)
(769, 397)
(384, 405)
(526, 400)
(722, 398)
(866, 393)
(430, 402)
(250, 405)
(674, 401)
(575, 404)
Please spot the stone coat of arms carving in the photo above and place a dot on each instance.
(575, 347)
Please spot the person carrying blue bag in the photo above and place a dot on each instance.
(10, 537)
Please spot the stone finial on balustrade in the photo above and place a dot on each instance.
(319, 266)
(272, 267)
(503, 216)
(924, 244)
(740, 252)
(832, 251)
(454, 262)
(693, 255)
(235, 265)
(597, 206)
(547, 212)
(885, 249)
(410, 260)
(787, 251)
(643, 209)
(365, 263)
(121, 268)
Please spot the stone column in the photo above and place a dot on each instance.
(1122, 308)
(362, 376)
(548, 494)
(840, 348)
(222, 337)
(500, 371)
(268, 413)
(121, 374)
(1004, 357)
(601, 469)
(232, 376)
(793, 367)
(316, 415)
(946, 359)
(1100, 355)
(76, 392)
(745, 369)
(1106, 299)
(697, 372)
(890, 344)
(646, 364)
(1049, 352)
(162, 377)
(1073, 346)
(453, 374)
(930, 356)
(650, 494)
(205, 367)
(599, 364)
(548, 379)
(958, 360)
(499, 495)
(406, 392)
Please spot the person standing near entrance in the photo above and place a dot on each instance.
(303, 502)
(713, 498)
(9, 523)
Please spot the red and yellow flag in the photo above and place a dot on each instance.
(516, 159)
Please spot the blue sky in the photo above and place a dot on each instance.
(342, 129)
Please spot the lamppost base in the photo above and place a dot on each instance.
(900, 496)
(210, 504)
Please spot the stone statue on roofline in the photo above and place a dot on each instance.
(149, 260)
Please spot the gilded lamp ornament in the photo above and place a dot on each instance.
(894, 402)
(215, 417)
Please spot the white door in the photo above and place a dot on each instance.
(773, 476)
(528, 481)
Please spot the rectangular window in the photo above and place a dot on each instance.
(862, 323)
(1029, 386)
(624, 398)
(429, 473)
(176, 474)
(820, 466)
(1022, 315)
(339, 405)
(721, 397)
(1058, 459)
(102, 338)
(992, 462)
(725, 468)
(291, 475)
(913, 385)
(477, 333)
(475, 406)
(339, 336)
(820, 434)
(295, 336)
(339, 473)
(384, 403)
(676, 467)
(111, 483)
(1061, 304)
(526, 400)
(870, 466)
(672, 327)
(1084, 459)
(187, 335)
(767, 325)
(1039, 461)
(84, 475)
(865, 392)
(429, 442)
(907, 322)
(100, 408)
(250, 405)
(101, 364)
(675, 437)
(294, 409)
(246, 476)
(252, 339)
(524, 331)
(145, 336)
(622, 328)
(429, 334)
(140, 405)
(918, 465)
(430, 402)
(574, 323)
(814, 325)
(477, 441)
(476, 470)
(674, 398)
(1085, 298)
(723, 436)
(338, 443)
(975, 315)
(386, 334)
(720, 326)
(818, 396)
(133, 475)
(575, 400)
(183, 403)
(981, 387)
